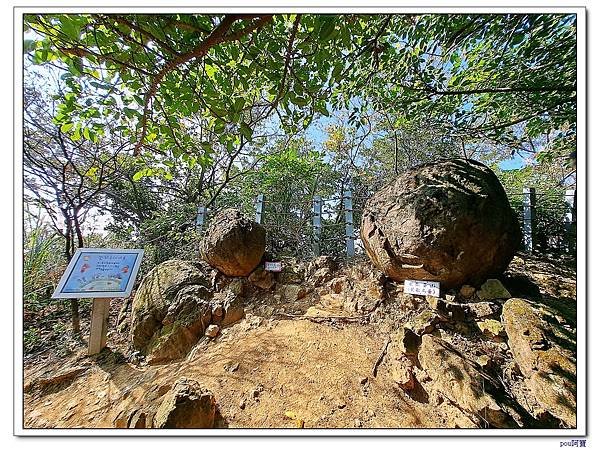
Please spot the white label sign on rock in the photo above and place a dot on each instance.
(273, 266)
(419, 287)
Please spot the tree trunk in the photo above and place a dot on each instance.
(75, 315)
(69, 251)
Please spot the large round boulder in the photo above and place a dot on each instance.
(448, 221)
(233, 244)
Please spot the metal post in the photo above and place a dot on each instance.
(349, 222)
(200, 218)
(528, 217)
(317, 212)
(570, 217)
(260, 200)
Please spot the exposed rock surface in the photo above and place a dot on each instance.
(186, 405)
(262, 278)
(449, 221)
(173, 307)
(493, 289)
(321, 270)
(545, 354)
(458, 380)
(233, 244)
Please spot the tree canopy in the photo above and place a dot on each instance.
(183, 84)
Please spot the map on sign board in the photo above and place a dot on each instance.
(99, 272)
(422, 287)
(273, 266)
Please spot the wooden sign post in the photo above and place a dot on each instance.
(98, 325)
(100, 274)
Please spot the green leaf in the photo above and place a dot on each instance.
(246, 131)
(65, 128)
(327, 28)
(146, 172)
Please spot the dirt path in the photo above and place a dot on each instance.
(315, 373)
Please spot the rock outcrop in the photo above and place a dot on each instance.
(233, 244)
(186, 405)
(448, 221)
(173, 307)
(545, 355)
(459, 381)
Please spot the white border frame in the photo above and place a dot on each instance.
(58, 294)
(433, 7)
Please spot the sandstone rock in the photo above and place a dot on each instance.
(402, 373)
(212, 331)
(423, 322)
(173, 307)
(321, 269)
(432, 301)
(233, 244)
(64, 375)
(234, 310)
(458, 380)
(492, 289)
(236, 286)
(491, 328)
(404, 341)
(185, 320)
(291, 292)
(186, 405)
(481, 310)
(261, 278)
(545, 355)
(155, 295)
(448, 221)
(337, 285)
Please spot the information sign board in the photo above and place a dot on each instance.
(100, 273)
(420, 287)
(273, 266)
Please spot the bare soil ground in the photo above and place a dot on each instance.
(265, 372)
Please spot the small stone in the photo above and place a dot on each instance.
(364, 380)
(357, 423)
(212, 331)
(467, 291)
(262, 279)
(483, 361)
(491, 328)
(337, 285)
(218, 311)
(370, 413)
(432, 301)
(186, 405)
(402, 373)
(341, 405)
(493, 289)
(481, 310)
(423, 323)
(243, 403)
(235, 367)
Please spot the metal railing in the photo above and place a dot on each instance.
(307, 227)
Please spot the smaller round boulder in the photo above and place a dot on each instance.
(233, 244)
